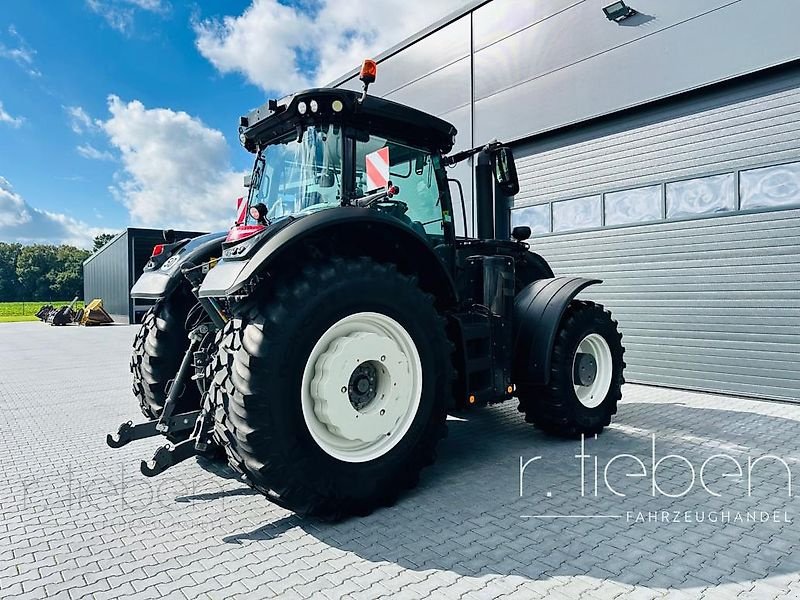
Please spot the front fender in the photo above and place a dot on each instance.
(159, 283)
(538, 309)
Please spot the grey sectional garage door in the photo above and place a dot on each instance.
(709, 304)
(690, 213)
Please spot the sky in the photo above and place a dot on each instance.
(117, 113)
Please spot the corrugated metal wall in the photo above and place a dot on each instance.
(110, 273)
(106, 276)
(710, 303)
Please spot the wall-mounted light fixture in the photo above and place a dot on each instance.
(618, 11)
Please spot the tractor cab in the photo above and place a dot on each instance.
(326, 148)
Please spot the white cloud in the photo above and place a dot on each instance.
(20, 222)
(282, 48)
(262, 43)
(117, 17)
(151, 5)
(119, 14)
(177, 171)
(7, 118)
(79, 120)
(21, 53)
(89, 151)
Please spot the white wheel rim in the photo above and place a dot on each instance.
(379, 355)
(592, 395)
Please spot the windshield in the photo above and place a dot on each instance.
(298, 177)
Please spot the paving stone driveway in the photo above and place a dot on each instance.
(78, 520)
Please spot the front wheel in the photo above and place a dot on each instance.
(336, 388)
(586, 375)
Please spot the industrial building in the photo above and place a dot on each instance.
(658, 149)
(110, 272)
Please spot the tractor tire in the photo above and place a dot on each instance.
(158, 350)
(219, 387)
(343, 339)
(569, 406)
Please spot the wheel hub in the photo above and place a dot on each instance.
(362, 388)
(592, 370)
(585, 369)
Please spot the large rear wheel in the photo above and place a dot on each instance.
(335, 390)
(586, 375)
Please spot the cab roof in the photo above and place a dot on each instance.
(277, 118)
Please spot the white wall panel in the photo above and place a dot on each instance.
(577, 65)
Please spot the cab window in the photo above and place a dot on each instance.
(413, 171)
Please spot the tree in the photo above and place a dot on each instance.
(9, 285)
(66, 278)
(101, 240)
(34, 264)
(41, 272)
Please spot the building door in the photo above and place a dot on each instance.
(690, 213)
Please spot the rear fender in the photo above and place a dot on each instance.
(344, 231)
(538, 310)
(159, 283)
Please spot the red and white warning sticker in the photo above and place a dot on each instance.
(377, 169)
(241, 210)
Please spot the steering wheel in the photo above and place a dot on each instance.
(392, 205)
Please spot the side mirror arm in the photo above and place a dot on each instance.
(456, 158)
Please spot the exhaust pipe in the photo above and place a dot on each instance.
(484, 192)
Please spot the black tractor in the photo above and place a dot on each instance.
(351, 317)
